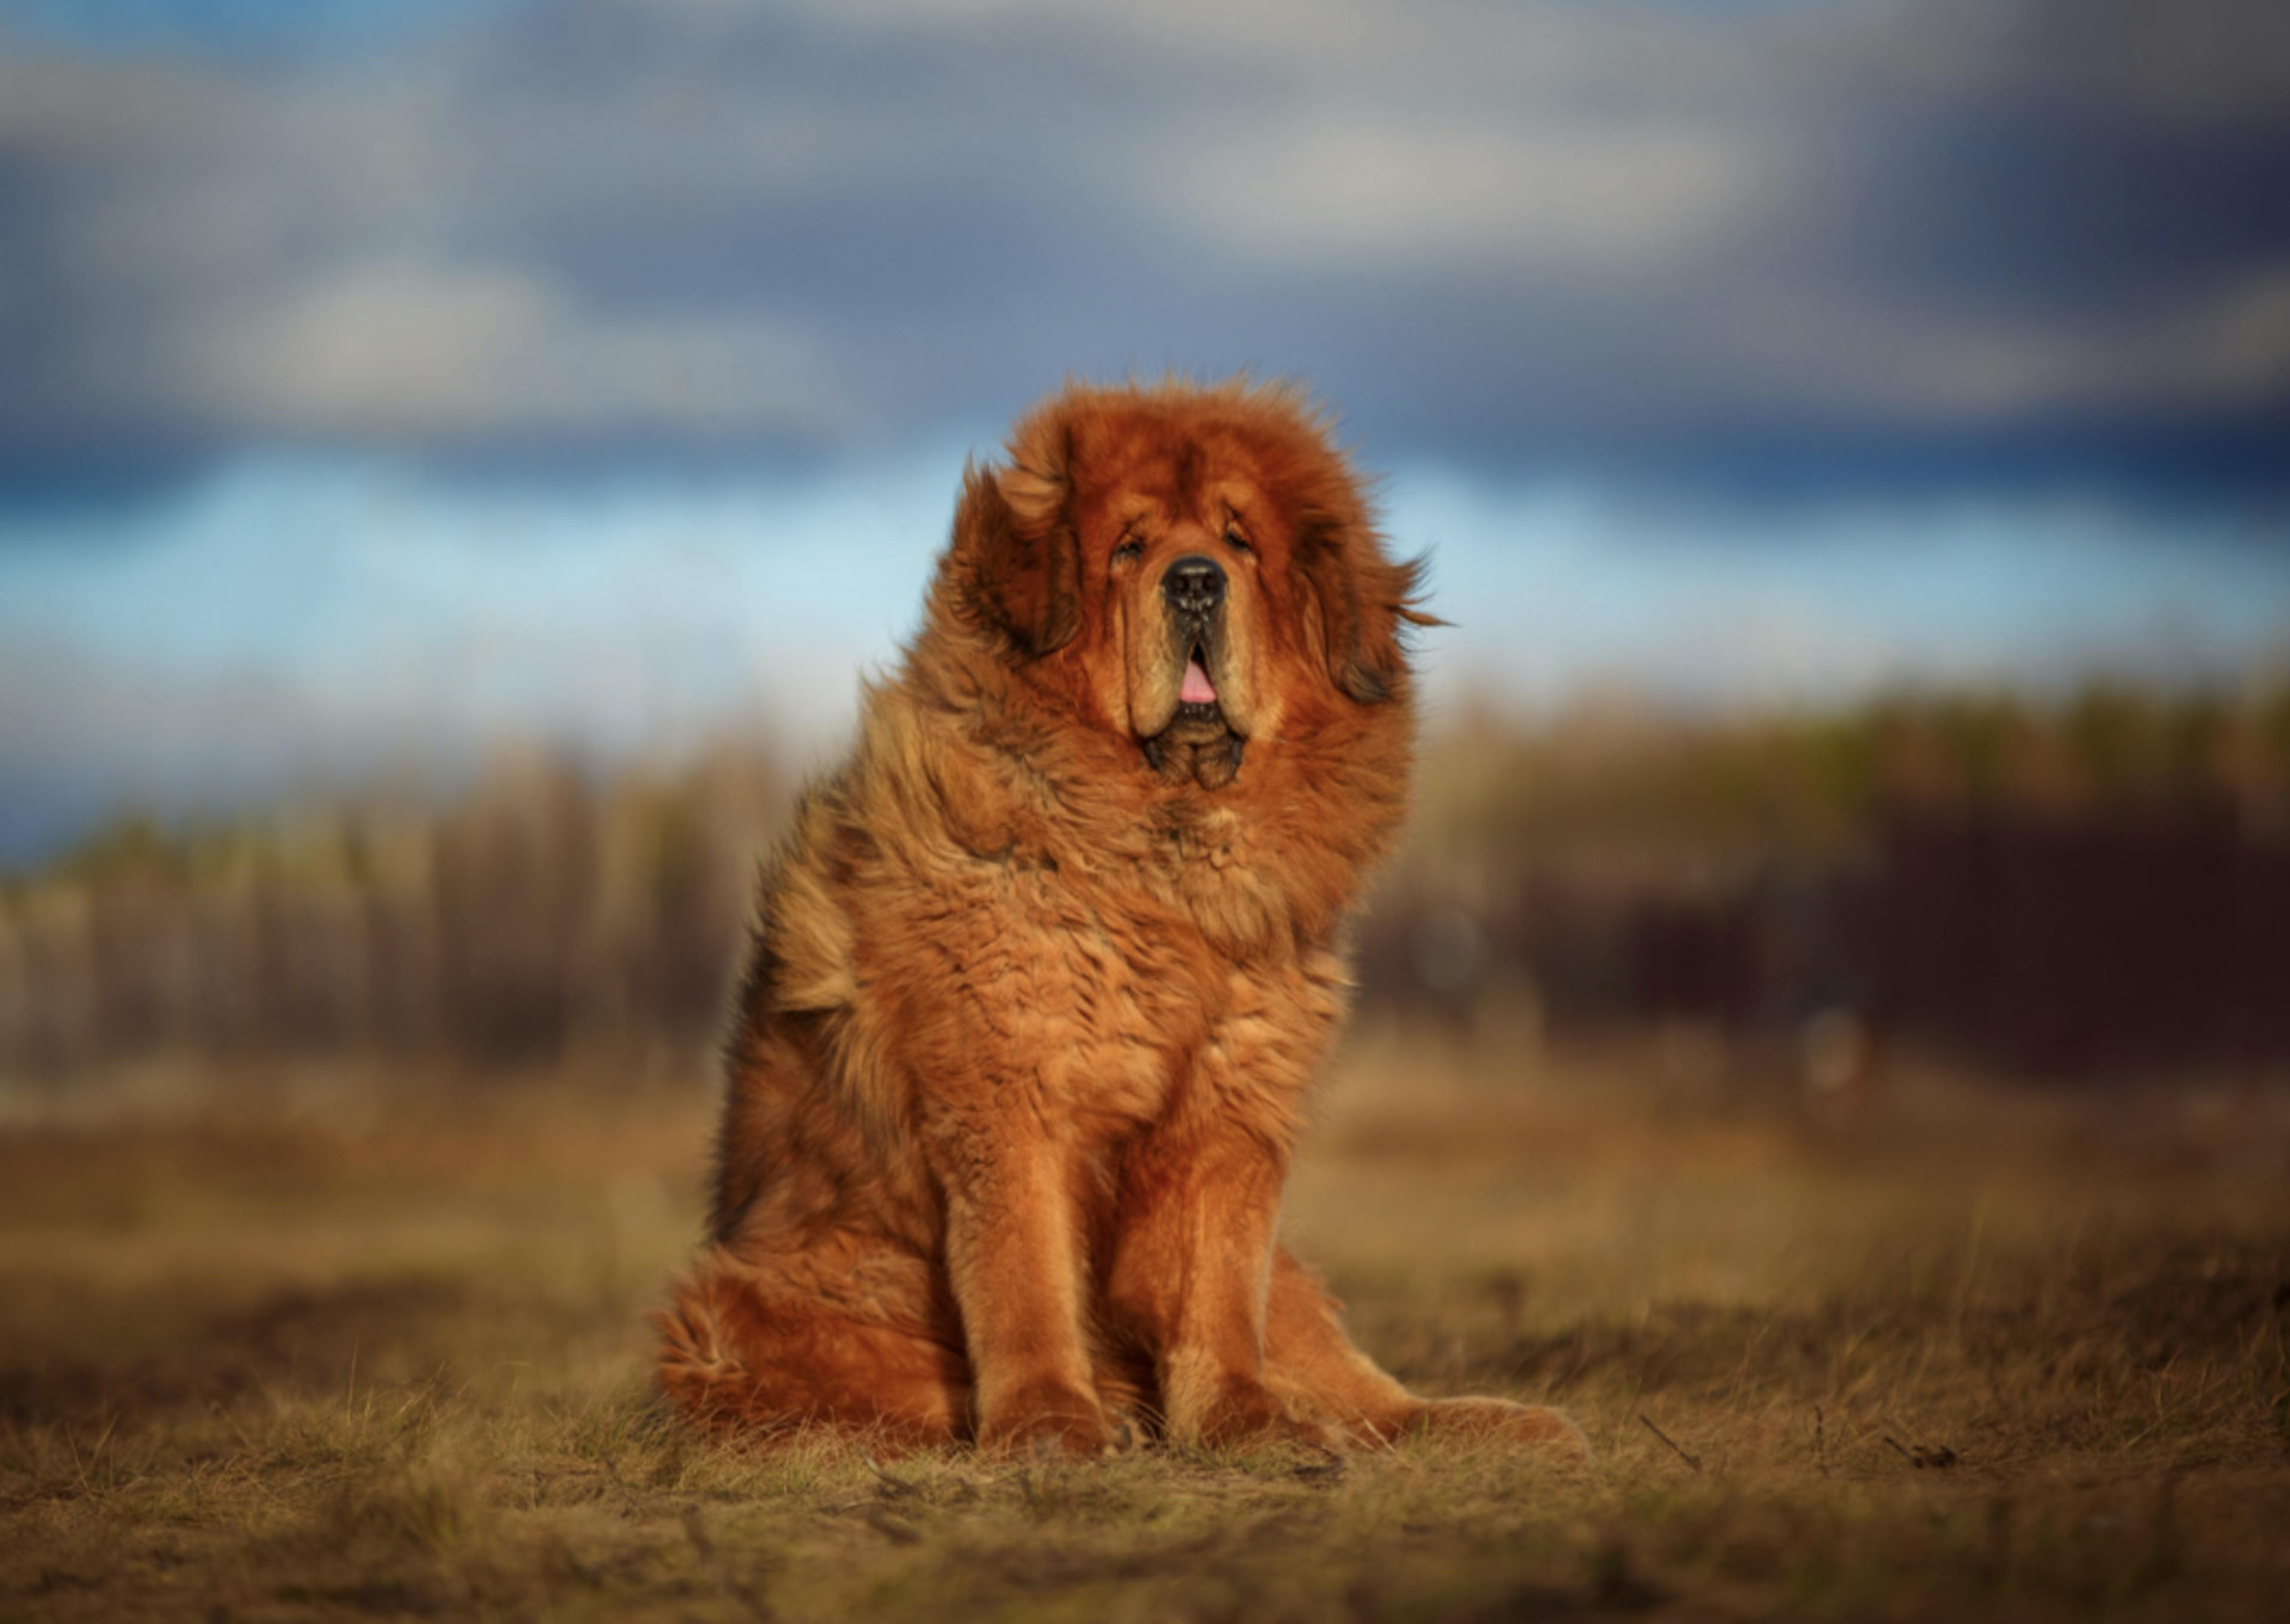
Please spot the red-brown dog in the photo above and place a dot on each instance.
(1044, 972)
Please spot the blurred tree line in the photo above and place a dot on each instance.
(2020, 875)
(2095, 881)
(549, 906)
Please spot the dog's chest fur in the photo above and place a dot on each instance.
(1121, 983)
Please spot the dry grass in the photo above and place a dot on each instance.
(1976, 1354)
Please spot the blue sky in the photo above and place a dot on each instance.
(381, 381)
(285, 620)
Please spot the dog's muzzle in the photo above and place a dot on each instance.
(1199, 743)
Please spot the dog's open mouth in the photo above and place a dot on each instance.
(1196, 695)
(1199, 743)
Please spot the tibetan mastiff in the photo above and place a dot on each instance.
(1044, 971)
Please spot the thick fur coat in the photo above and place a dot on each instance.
(1044, 973)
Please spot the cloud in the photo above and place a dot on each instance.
(1639, 233)
(1378, 194)
(391, 351)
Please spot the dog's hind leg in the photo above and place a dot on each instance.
(766, 1346)
(1309, 1361)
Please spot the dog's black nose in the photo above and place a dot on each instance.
(1194, 585)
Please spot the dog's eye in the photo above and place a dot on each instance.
(1128, 550)
(1234, 540)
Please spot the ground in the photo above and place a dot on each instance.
(1959, 1351)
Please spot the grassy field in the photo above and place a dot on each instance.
(1974, 1353)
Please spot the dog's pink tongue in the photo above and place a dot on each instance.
(1198, 690)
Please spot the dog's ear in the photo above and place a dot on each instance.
(1364, 600)
(1020, 565)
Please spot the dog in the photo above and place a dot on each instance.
(1043, 974)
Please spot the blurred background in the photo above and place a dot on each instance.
(455, 460)
(1830, 1018)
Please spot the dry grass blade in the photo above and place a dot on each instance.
(1691, 1460)
(894, 1487)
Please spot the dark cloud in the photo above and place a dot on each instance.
(1780, 242)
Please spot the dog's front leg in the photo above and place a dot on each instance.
(1192, 1262)
(1014, 1265)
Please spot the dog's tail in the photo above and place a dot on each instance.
(736, 1356)
(702, 1337)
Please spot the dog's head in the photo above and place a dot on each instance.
(1193, 568)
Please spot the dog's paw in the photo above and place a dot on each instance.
(1247, 1414)
(1498, 1420)
(1046, 1418)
